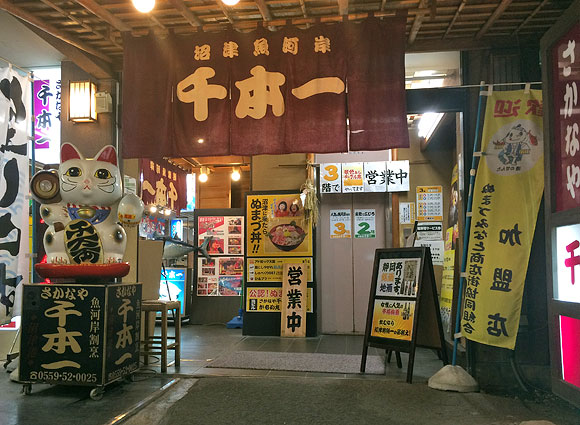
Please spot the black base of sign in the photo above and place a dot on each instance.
(404, 308)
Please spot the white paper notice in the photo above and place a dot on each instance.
(352, 177)
(364, 223)
(330, 178)
(375, 177)
(398, 176)
(340, 226)
(432, 231)
(437, 250)
(406, 212)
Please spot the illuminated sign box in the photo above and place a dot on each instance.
(567, 285)
(570, 346)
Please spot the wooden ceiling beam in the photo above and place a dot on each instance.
(264, 10)
(157, 22)
(417, 23)
(81, 23)
(303, 8)
(91, 65)
(193, 20)
(52, 30)
(530, 16)
(98, 10)
(225, 11)
(496, 14)
(459, 9)
(343, 7)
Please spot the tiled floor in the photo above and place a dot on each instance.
(202, 344)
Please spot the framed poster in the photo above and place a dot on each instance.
(403, 309)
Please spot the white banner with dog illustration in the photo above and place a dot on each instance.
(14, 174)
(506, 198)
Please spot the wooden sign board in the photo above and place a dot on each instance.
(403, 310)
(293, 308)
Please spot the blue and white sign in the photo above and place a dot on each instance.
(173, 285)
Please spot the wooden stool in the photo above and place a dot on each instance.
(158, 344)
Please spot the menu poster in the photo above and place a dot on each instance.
(277, 226)
(270, 269)
(331, 178)
(352, 177)
(226, 233)
(220, 276)
(429, 203)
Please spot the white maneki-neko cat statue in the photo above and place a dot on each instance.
(85, 210)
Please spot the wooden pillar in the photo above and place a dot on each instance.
(395, 208)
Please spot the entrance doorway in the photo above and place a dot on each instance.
(345, 264)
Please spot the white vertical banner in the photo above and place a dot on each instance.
(330, 178)
(398, 176)
(15, 116)
(375, 176)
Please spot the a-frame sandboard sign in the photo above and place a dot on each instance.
(403, 310)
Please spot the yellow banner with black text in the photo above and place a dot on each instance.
(506, 197)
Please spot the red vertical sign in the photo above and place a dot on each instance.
(566, 112)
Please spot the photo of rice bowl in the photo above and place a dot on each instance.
(287, 237)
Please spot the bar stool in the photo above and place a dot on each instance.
(158, 344)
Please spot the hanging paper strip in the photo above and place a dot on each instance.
(506, 198)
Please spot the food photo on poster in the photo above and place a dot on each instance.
(277, 226)
(225, 232)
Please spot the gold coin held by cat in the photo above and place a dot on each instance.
(86, 212)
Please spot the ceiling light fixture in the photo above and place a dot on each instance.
(153, 209)
(428, 123)
(230, 2)
(144, 6)
(167, 211)
(203, 174)
(82, 103)
(236, 174)
(200, 140)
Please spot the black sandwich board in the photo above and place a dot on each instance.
(403, 310)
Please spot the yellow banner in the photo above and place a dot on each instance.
(506, 198)
(393, 319)
(267, 300)
(446, 300)
(277, 226)
(270, 269)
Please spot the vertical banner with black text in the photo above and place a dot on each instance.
(15, 118)
(293, 322)
(506, 198)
